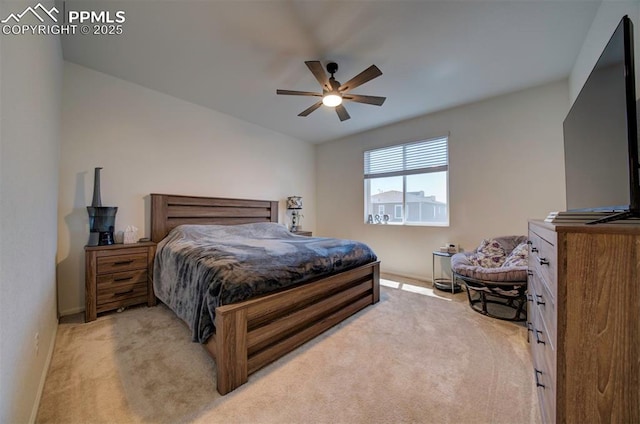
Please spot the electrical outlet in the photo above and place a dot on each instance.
(36, 340)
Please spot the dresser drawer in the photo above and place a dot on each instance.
(546, 400)
(118, 263)
(542, 337)
(540, 299)
(543, 334)
(544, 367)
(543, 261)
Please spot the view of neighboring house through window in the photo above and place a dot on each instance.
(398, 212)
(409, 181)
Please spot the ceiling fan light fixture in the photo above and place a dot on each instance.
(333, 93)
(332, 100)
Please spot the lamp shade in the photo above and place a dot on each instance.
(294, 202)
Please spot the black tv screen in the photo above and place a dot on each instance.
(600, 133)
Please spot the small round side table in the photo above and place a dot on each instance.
(442, 283)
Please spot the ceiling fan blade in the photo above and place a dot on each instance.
(342, 113)
(298, 93)
(316, 69)
(370, 100)
(367, 75)
(310, 109)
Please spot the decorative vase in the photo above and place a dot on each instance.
(97, 201)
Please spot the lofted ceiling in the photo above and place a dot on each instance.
(231, 56)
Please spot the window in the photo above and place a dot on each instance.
(409, 179)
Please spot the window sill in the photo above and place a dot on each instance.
(410, 224)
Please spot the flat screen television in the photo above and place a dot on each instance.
(601, 137)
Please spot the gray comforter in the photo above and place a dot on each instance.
(200, 267)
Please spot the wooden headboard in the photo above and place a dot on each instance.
(169, 210)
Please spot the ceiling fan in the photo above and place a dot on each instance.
(333, 93)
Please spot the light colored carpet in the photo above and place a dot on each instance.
(411, 358)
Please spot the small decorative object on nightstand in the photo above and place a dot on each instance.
(118, 275)
(303, 233)
(294, 204)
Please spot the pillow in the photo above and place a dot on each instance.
(490, 254)
(518, 256)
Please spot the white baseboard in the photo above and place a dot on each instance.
(43, 377)
(71, 311)
(391, 275)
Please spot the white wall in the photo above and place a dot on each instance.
(30, 83)
(604, 23)
(506, 165)
(149, 142)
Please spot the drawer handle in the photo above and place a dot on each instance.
(123, 293)
(539, 300)
(123, 279)
(534, 249)
(530, 273)
(123, 262)
(538, 384)
(529, 329)
(543, 261)
(538, 332)
(529, 298)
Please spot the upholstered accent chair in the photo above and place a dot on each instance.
(495, 276)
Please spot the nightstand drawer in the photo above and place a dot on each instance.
(122, 263)
(120, 292)
(119, 278)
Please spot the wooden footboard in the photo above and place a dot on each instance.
(254, 333)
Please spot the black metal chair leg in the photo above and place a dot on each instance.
(480, 303)
(483, 299)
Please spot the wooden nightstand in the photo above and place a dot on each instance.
(303, 233)
(118, 275)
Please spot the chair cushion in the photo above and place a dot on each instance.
(512, 274)
(518, 256)
(490, 254)
(489, 261)
(508, 243)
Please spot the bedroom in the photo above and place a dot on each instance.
(131, 131)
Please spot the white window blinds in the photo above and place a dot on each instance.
(406, 159)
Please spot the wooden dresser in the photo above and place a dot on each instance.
(584, 321)
(118, 275)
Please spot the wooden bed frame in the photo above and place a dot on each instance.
(251, 334)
